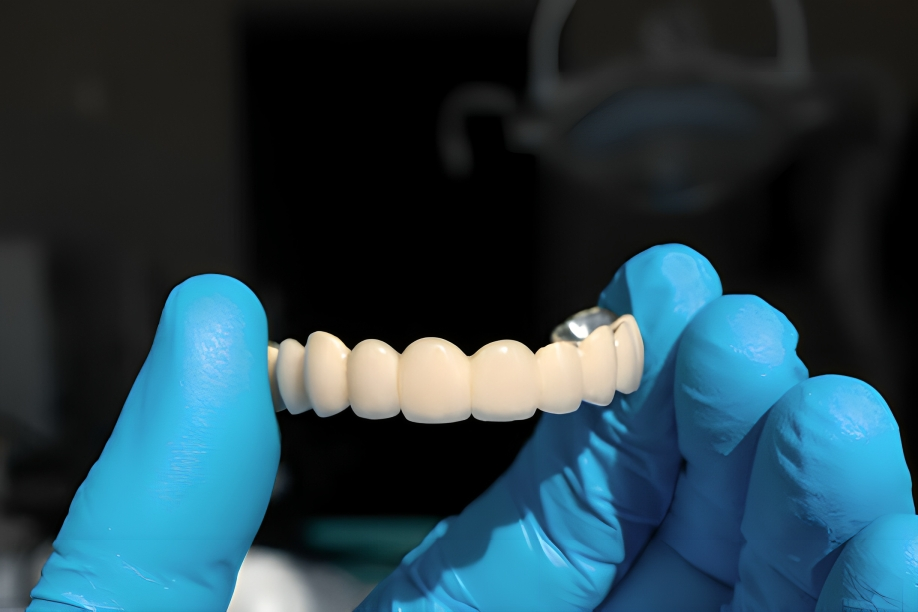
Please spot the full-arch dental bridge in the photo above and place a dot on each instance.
(433, 381)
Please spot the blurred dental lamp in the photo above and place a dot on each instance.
(672, 128)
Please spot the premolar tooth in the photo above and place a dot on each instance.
(325, 370)
(289, 373)
(505, 382)
(372, 380)
(560, 378)
(629, 348)
(599, 364)
(434, 382)
(272, 378)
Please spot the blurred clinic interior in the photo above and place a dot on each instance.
(393, 169)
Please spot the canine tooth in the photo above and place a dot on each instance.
(272, 378)
(560, 378)
(325, 368)
(629, 348)
(600, 370)
(434, 382)
(505, 382)
(372, 380)
(289, 373)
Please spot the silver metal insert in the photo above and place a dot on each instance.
(577, 327)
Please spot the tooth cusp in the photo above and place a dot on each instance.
(289, 373)
(599, 366)
(629, 347)
(325, 373)
(372, 380)
(505, 382)
(560, 378)
(434, 382)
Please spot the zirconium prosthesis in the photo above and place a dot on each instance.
(593, 355)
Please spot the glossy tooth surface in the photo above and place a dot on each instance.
(505, 382)
(272, 378)
(599, 365)
(289, 374)
(372, 380)
(629, 347)
(325, 368)
(434, 382)
(560, 378)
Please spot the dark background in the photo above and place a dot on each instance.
(292, 144)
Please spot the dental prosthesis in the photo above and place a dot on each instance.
(433, 381)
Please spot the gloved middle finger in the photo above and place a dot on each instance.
(736, 359)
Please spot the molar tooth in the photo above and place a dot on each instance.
(289, 374)
(325, 368)
(372, 380)
(276, 398)
(560, 378)
(629, 348)
(600, 370)
(434, 382)
(505, 382)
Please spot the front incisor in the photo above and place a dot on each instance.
(372, 380)
(560, 378)
(290, 382)
(325, 368)
(433, 382)
(505, 382)
(600, 366)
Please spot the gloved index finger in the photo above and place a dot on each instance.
(585, 493)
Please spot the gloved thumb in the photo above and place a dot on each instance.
(167, 513)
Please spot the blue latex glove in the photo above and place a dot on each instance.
(599, 512)
(185, 479)
(166, 515)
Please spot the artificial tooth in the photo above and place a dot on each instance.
(434, 382)
(372, 380)
(505, 382)
(272, 378)
(629, 348)
(325, 370)
(289, 374)
(560, 377)
(598, 363)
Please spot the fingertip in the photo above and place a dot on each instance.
(663, 288)
(211, 295)
(215, 305)
(674, 273)
(736, 358)
(212, 342)
(829, 462)
(834, 409)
